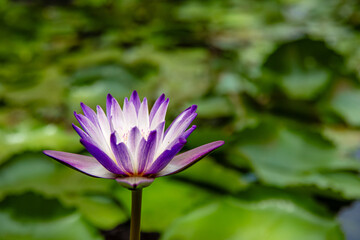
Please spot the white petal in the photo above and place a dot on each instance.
(143, 117)
(159, 115)
(130, 114)
(117, 118)
(104, 124)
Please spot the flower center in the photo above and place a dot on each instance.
(125, 136)
(144, 133)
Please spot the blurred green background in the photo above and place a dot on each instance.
(277, 80)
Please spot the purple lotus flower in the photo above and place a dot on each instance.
(130, 145)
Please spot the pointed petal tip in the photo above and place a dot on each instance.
(99, 108)
(51, 153)
(161, 98)
(134, 93)
(135, 100)
(191, 109)
(82, 163)
(109, 102)
(114, 101)
(47, 152)
(134, 96)
(188, 132)
(113, 137)
(219, 143)
(76, 128)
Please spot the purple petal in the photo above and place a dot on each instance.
(165, 157)
(188, 132)
(134, 139)
(95, 133)
(109, 100)
(81, 133)
(102, 157)
(156, 106)
(159, 115)
(135, 182)
(178, 126)
(121, 154)
(146, 151)
(88, 126)
(85, 164)
(134, 99)
(89, 113)
(186, 159)
(189, 112)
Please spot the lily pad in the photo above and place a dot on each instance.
(37, 172)
(290, 158)
(101, 211)
(212, 174)
(31, 138)
(300, 84)
(90, 196)
(346, 104)
(31, 217)
(271, 219)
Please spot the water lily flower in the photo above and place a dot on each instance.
(130, 144)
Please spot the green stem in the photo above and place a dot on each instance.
(135, 214)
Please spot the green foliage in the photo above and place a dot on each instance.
(276, 219)
(32, 217)
(277, 80)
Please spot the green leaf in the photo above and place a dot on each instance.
(230, 83)
(346, 140)
(46, 176)
(292, 158)
(95, 93)
(27, 137)
(31, 217)
(204, 134)
(346, 104)
(182, 74)
(271, 219)
(302, 68)
(299, 84)
(91, 196)
(214, 175)
(101, 211)
(215, 107)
